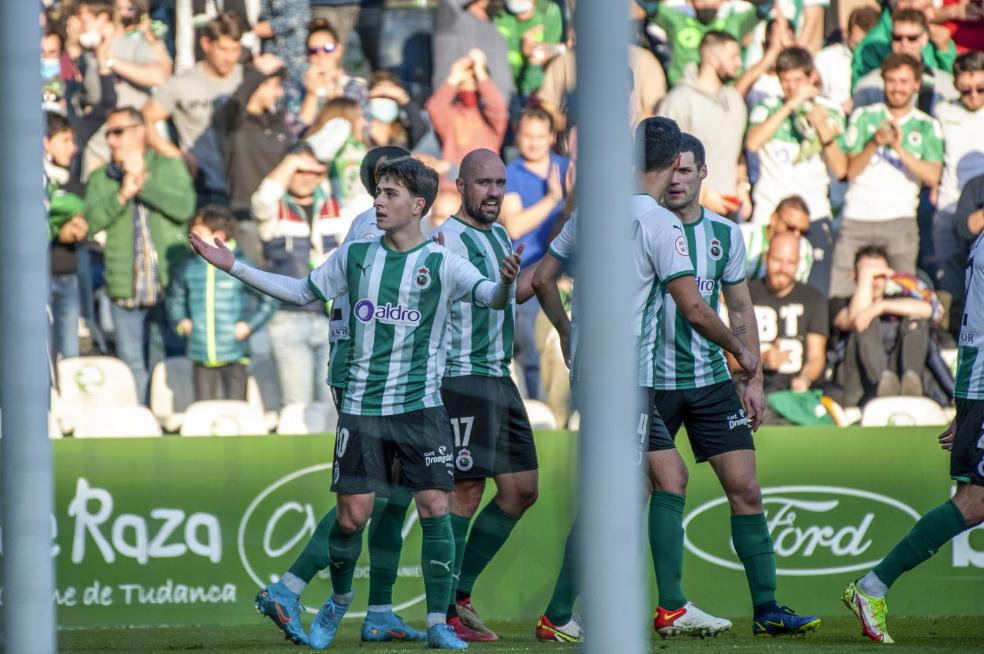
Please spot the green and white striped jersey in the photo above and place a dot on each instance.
(481, 340)
(400, 304)
(970, 358)
(660, 256)
(363, 228)
(685, 359)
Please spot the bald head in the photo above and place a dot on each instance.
(482, 185)
(781, 263)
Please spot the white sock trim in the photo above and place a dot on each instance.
(436, 618)
(380, 608)
(293, 583)
(870, 584)
(344, 600)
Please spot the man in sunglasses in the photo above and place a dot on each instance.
(910, 34)
(142, 200)
(893, 149)
(963, 124)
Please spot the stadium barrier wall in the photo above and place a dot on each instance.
(175, 531)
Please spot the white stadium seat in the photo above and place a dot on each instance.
(314, 418)
(541, 417)
(171, 391)
(117, 422)
(86, 383)
(902, 411)
(223, 418)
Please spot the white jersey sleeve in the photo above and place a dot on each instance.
(661, 247)
(735, 269)
(562, 247)
(464, 282)
(329, 280)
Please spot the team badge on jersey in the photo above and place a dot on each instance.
(714, 250)
(915, 139)
(680, 245)
(422, 279)
(464, 462)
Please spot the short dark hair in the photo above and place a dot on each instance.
(871, 251)
(660, 140)
(910, 15)
(225, 24)
(372, 158)
(215, 217)
(535, 113)
(321, 25)
(96, 6)
(968, 62)
(864, 17)
(794, 58)
(793, 202)
(55, 32)
(895, 61)
(132, 112)
(413, 174)
(690, 143)
(55, 124)
(714, 38)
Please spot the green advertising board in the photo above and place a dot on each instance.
(185, 530)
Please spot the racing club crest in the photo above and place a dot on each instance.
(464, 462)
(422, 278)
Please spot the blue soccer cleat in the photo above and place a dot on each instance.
(782, 621)
(383, 626)
(326, 623)
(285, 612)
(441, 636)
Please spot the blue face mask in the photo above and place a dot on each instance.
(50, 68)
(385, 110)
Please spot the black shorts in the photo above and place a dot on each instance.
(652, 431)
(492, 433)
(967, 455)
(368, 447)
(713, 415)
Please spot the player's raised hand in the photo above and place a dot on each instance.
(218, 255)
(946, 438)
(509, 270)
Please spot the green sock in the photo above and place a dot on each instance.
(491, 529)
(459, 529)
(666, 543)
(561, 606)
(344, 550)
(437, 557)
(929, 534)
(314, 557)
(753, 544)
(386, 543)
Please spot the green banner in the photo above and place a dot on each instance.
(184, 531)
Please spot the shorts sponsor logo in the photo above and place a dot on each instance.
(680, 245)
(816, 530)
(422, 278)
(442, 455)
(388, 314)
(736, 420)
(464, 461)
(714, 250)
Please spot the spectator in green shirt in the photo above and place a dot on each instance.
(938, 53)
(533, 31)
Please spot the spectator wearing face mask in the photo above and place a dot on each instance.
(346, 160)
(394, 117)
(467, 111)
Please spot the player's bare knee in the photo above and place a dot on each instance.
(670, 478)
(351, 518)
(969, 499)
(432, 503)
(745, 496)
(466, 497)
(517, 499)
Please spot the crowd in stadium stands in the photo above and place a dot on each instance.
(845, 138)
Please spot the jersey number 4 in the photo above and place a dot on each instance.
(462, 430)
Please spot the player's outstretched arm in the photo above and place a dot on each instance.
(545, 277)
(281, 287)
(708, 324)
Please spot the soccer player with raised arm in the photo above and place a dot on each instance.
(661, 265)
(492, 433)
(964, 439)
(694, 389)
(400, 291)
(280, 601)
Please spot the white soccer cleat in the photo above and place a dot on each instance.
(688, 621)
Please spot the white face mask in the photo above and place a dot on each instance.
(519, 6)
(50, 68)
(385, 110)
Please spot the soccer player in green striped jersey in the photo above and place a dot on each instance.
(401, 288)
(694, 389)
(964, 438)
(492, 433)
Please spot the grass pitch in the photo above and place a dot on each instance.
(839, 634)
